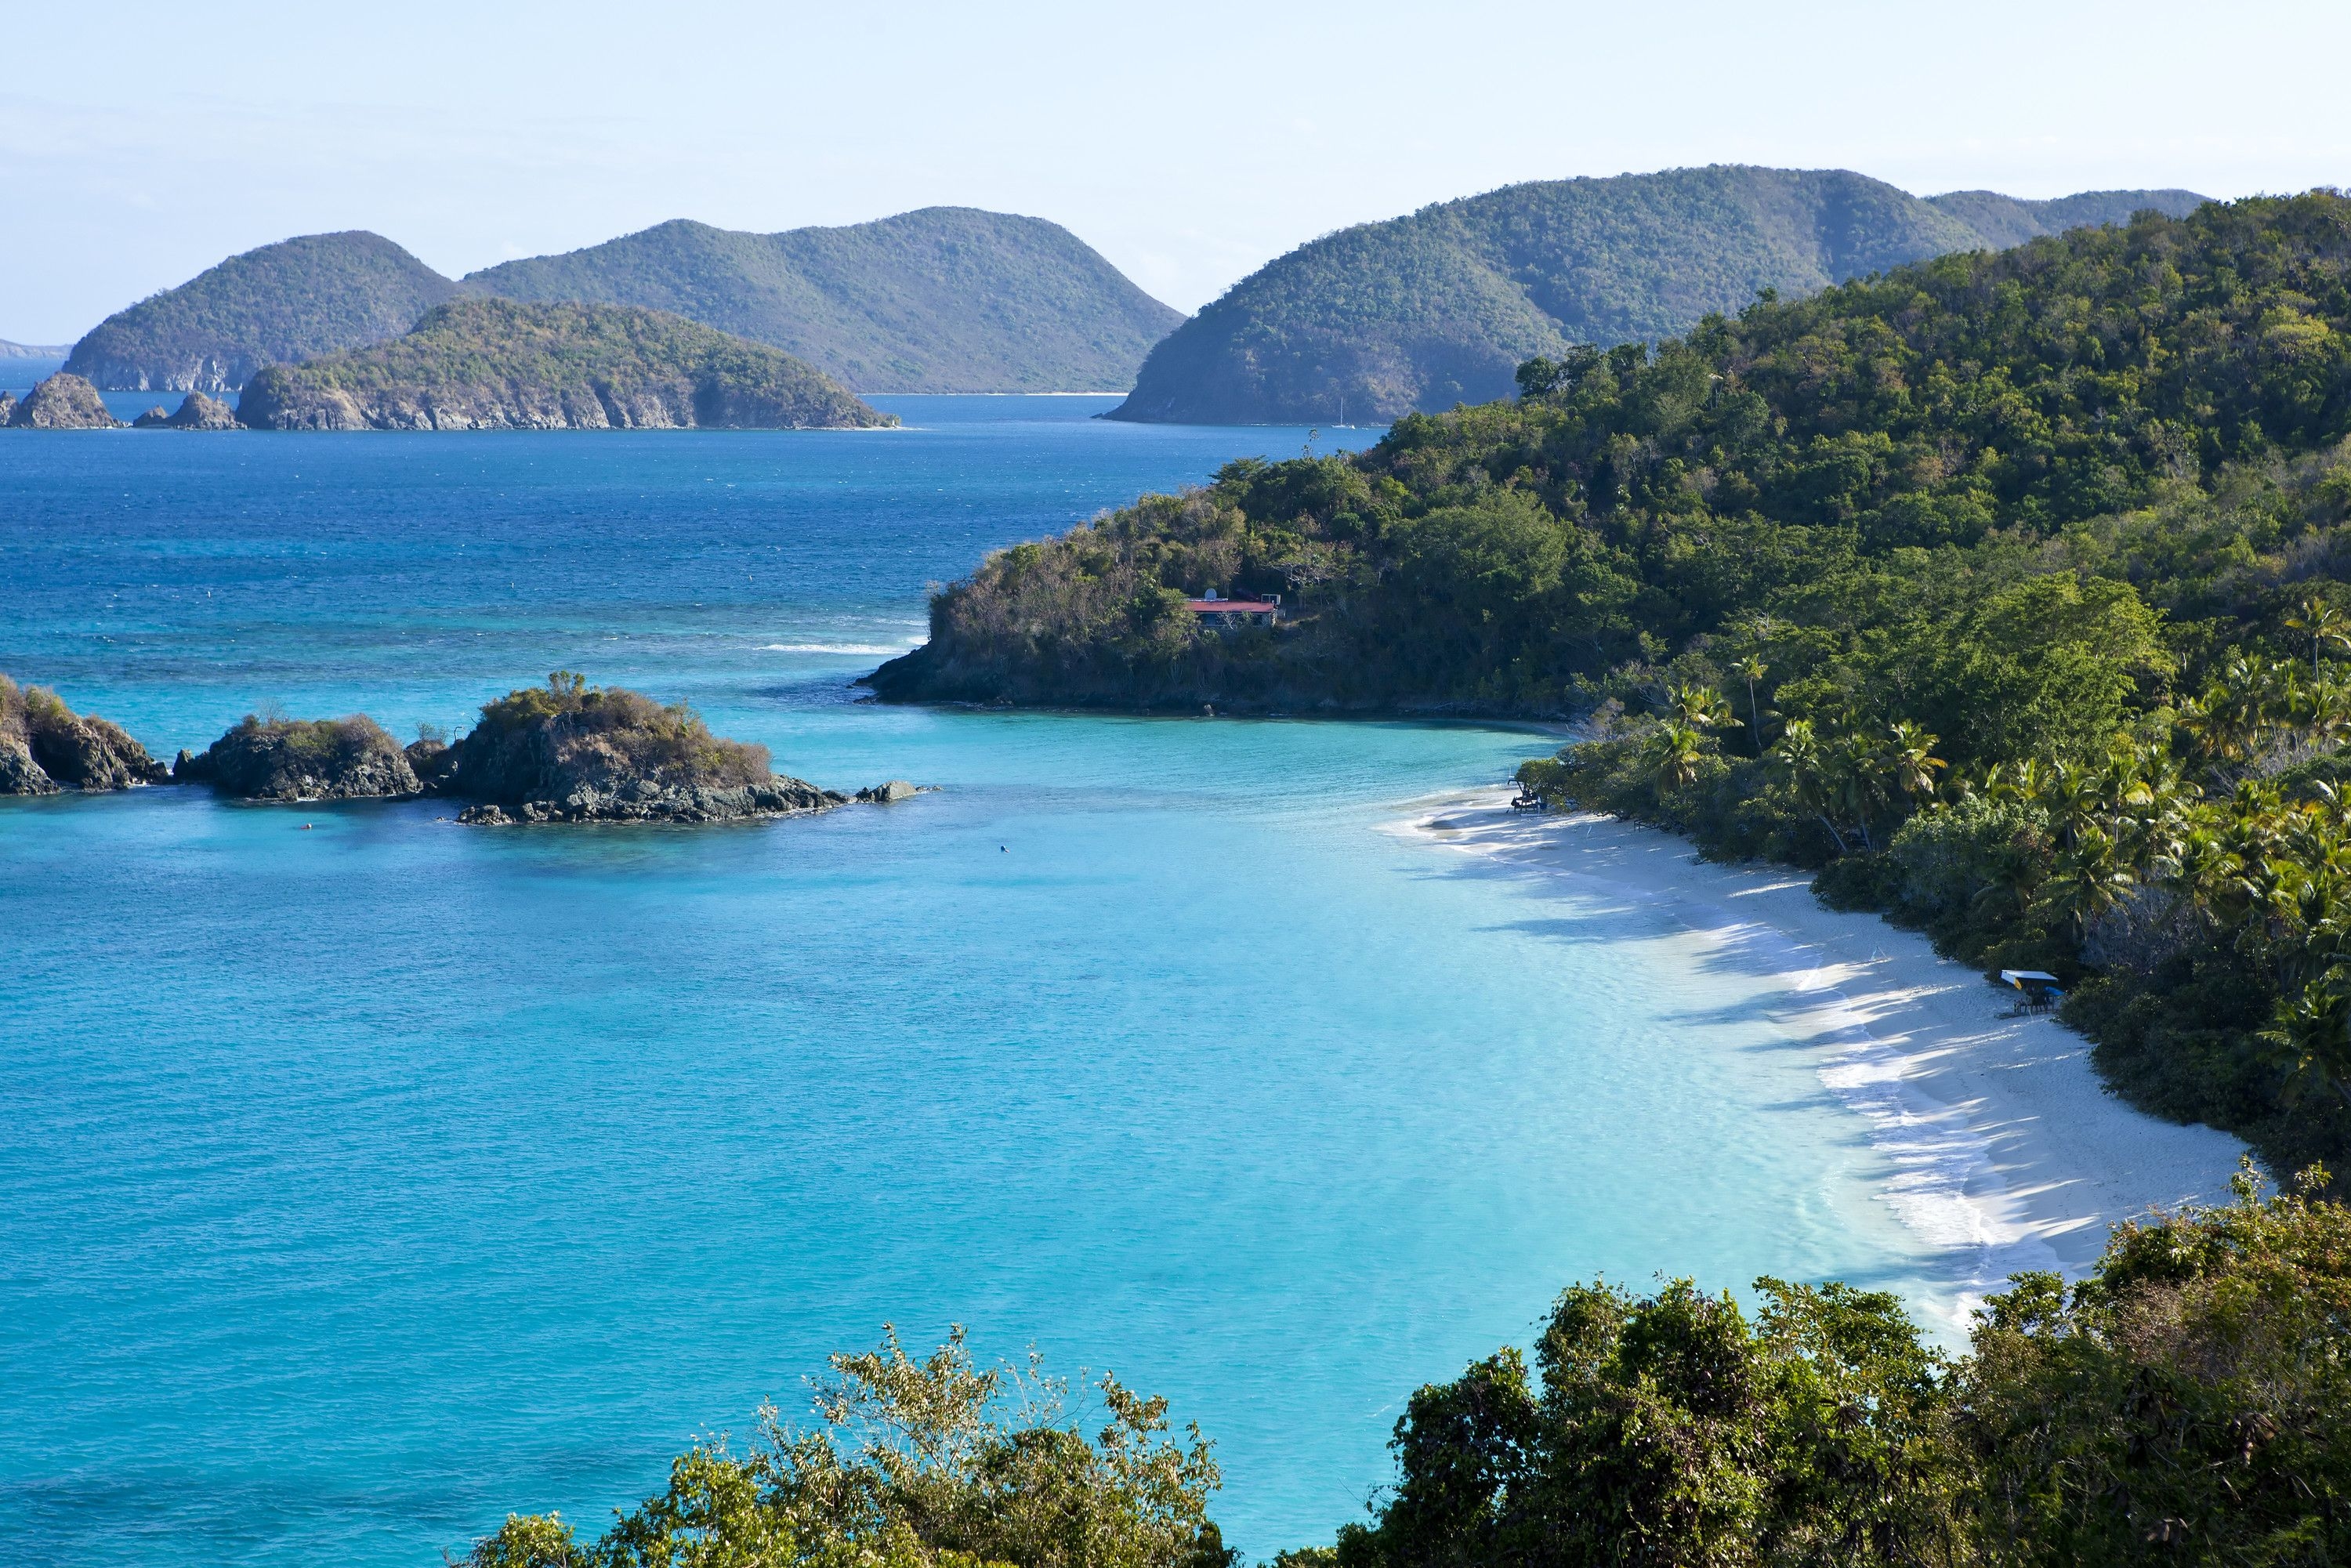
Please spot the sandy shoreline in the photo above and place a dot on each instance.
(2007, 1152)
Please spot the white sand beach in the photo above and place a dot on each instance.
(2002, 1140)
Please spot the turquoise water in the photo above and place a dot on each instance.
(363, 1182)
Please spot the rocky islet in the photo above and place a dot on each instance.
(565, 752)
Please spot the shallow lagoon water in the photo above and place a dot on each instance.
(367, 1181)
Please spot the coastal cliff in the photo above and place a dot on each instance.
(46, 747)
(494, 364)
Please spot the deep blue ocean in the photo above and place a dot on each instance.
(364, 1178)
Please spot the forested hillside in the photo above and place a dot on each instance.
(497, 364)
(2006, 586)
(276, 305)
(1439, 307)
(942, 299)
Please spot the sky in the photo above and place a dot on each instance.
(140, 142)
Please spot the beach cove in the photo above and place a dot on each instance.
(377, 1177)
(2006, 1153)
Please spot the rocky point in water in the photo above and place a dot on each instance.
(570, 752)
(303, 760)
(46, 747)
(196, 412)
(62, 402)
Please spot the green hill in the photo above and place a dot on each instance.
(2007, 587)
(282, 303)
(495, 364)
(942, 299)
(1440, 308)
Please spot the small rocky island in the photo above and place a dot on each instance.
(196, 412)
(563, 752)
(46, 747)
(495, 364)
(303, 760)
(64, 402)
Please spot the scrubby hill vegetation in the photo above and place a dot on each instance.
(494, 364)
(945, 299)
(567, 751)
(1439, 307)
(2006, 587)
(274, 306)
(45, 746)
(2187, 1402)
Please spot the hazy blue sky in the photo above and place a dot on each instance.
(140, 142)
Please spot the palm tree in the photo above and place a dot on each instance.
(2325, 623)
(1799, 756)
(2312, 1037)
(1753, 669)
(1678, 749)
(2087, 881)
(1698, 707)
(1909, 758)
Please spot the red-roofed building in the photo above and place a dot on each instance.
(1225, 614)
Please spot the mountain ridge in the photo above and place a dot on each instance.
(936, 299)
(1441, 304)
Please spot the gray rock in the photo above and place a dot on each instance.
(63, 403)
(294, 759)
(883, 794)
(153, 418)
(19, 774)
(198, 412)
(652, 800)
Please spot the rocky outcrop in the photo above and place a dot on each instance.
(45, 746)
(196, 412)
(889, 793)
(7, 407)
(303, 760)
(62, 402)
(653, 801)
(570, 752)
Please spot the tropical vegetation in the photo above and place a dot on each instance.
(494, 364)
(1425, 311)
(2187, 1402)
(2004, 589)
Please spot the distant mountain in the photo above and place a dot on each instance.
(9, 350)
(498, 364)
(2004, 221)
(942, 299)
(282, 303)
(1439, 307)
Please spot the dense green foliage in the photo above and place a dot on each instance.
(945, 299)
(1439, 307)
(930, 1464)
(2187, 1402)
(495, 364)
(2010, 584)
(281, 303)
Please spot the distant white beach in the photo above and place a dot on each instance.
(2002, 1140)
